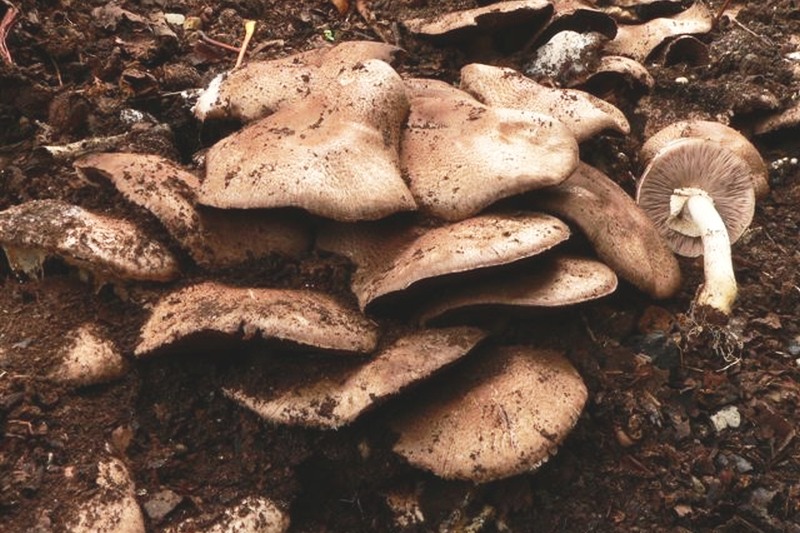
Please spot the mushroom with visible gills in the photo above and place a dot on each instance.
(700, 196)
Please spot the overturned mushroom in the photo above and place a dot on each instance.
(213, 238)
(302, 317)
(622, 234)
(552, 282)
(89, 359)
(335, 153)
(584, 114)
(504, 414)
(700, 196)
(113, 508)
(716, 132)
(111, 249)
(460, 156)
(391, 259)
(259, 88)
(337, 396)
(638, 41)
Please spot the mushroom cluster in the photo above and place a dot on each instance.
(448, 201)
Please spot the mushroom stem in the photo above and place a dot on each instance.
(694, 211)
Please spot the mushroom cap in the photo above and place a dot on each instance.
(719, 133)
(335, 153)
(552, 282)
(302, 317)
(110, 248)
(788, 118)
(337, 396)
(501, 414)
(639, 40)
(259, 88)
(213, 239)
(631, 71)
(463, 24)
(391, 260)
(579, 15)
(700, 164)
(254, 514)
(113, 508)
(89, 359)
(584, 114)
(460, 156)
(622, 234)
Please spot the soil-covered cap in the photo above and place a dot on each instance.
(110, 248)
(692, 163)
(259, 88)
(553, 282)
(334, 154)
(460, 156)
(89, 358)
(302, 317)
(214, 239)
(502, 413)
(333, 398)
(717, 132)
(584, 114)
(463, 24)
(391, 259)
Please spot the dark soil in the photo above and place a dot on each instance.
(644, 456)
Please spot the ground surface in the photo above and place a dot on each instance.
(644, 456)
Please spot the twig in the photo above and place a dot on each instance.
(721, 11)
(362, 6)
(5, 26)
(219, 44)
(249, 28)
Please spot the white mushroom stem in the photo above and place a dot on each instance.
(692, 213)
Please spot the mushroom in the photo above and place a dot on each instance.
(335, 153)
(390, 259)
(552, 282)
(639, 40)
(719, 133)
(502, 413)
(467, 23)
(254, 514)
(302, 317)
(700, 196)
(620, 76)
(460, 156)
(214, 239)
(336, 396)
(113, 507)
(259, 88)
(622, 234)
(788, 118)
(89, 359)
(111, 249)
(584, 114)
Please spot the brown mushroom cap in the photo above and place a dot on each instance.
(461, 156)
(500, 415)
(579, 15)
(110, 248)
(89, 359)
(701, 164)
(719, 133)
(465, 23)
(336, 397)
(335, 153)
(788, 118)
(299, 316)
(259, 88)
(611, 70)
(214, 239)
(552, 282)
(639, 40)
(622, 234)
(584, 114)
(390, 260)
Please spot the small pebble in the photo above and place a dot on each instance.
(176, 19)
(727, 417)
(161, 504)
(682, 80)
